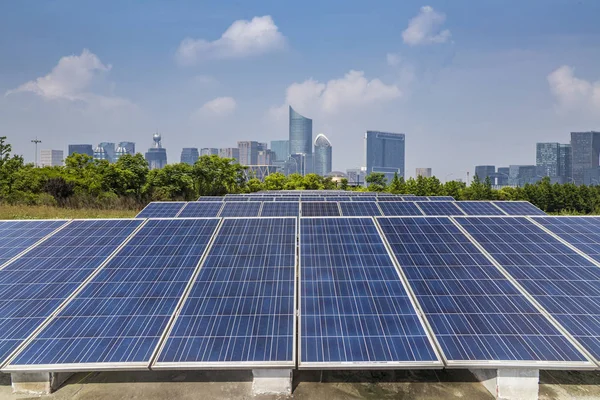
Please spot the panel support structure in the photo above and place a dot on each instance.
(510, 383)
(272, 381)
(38, 382)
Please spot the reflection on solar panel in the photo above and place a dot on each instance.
(320, 209)
(566, 284)
(240, 309)
(401, 208)
(359, 208)
(353, 306)
(161, 209)
(476, 314)
(198, 209)
(440, 198)
(440, 208)
(479, 208)
(35, 284)
(235, 209)
(280, 209)
(518, 208)
(211, 198)
(581, 232)
(121, 314)
(17, 236)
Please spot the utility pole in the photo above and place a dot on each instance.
(36, 141)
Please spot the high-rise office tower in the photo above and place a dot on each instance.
(502, 176)
(565, 162)
(265, 157)
(483, 171)
(156, 155)
(248, 152)
(424, 172)
(322, 155)
(51, 158)
(300, 131)
(230, 152)
(101, 154)
(554, 160)
(109, 150)
(356, 176)
(209, 151)
(121, 151)
(81, 149)
(385, 153)
(585, 148)
(129, 147)
(189, 155)
(520, 175)
(281, 148)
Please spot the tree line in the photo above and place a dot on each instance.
(129, 183)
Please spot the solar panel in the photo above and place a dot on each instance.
(280, 209)
(337, 198)
(414, 198)
(119, 317)
(320, 209)
(364, 198)
(162, 209)
(566, 284)
(354, 310)
(35, 284)
(237, 209)
(313, 198)
(440, 198)
(199, 209)
(400, 208)
(440, 208)
(241, 308)
(359, 208)
(518, 208)
(211, 198)
(476, 314)
(581, 232)
(288, 198)
(389, 198)
(236, 199)
(17, 236)
(479, 208)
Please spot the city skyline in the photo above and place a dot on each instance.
(434, 70)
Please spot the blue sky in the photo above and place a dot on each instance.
(468, 82)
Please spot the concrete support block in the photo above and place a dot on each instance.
(510, 383)
(38, 382)
(272, 381)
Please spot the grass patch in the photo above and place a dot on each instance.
(46, 212)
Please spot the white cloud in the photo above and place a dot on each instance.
(71, 79)
(574, 93)
(243, 38)
(219, 107)
(352, 91)
(393, 59)
(425, 28)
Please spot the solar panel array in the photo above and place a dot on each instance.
(162, 209)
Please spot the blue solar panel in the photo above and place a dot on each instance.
(35, 284)
(235, 198)
(440, 198)
(581, 232)
(17, 236)
(337, 198)
(320, 209)
(240, 309)
(479, 208)
(236, 209)
(280, 209)
(476, 314)
(518, 208)
(288, 198)
(440, 208)
(162, 209)
(211, 198)
(121, 314)
(360, 208)
(199, 209)
(389, 198)
(364, 198)
(354, 309)
(415, 198)
(399, 208)
(566, 284)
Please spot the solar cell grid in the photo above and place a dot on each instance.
(240, 310)
(161, 209)
(35, 284)
(354, 309)
(359, 208)
(399, 208)
(389, 198)
(479, 208)
(199, 209)
(363, 198)
(17, 236)
(280, 209)
(414, 198)
(211, 198)
(566, 284)
(120, 315)
(440, 208)
(581, 232)
(240, 209)
(518, 208)
(440, 198)
(320, 209)
(476, 314)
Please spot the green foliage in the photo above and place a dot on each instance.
(376, 181)
(275, 181)
(255, 185)
(215, 176)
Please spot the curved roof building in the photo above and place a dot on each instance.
(300, 133)
(322, 155)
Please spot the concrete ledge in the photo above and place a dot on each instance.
(38, 382)
(510, 383)
(272, 381)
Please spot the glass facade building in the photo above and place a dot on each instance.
(189, 155)
(156, 156)
(322, 158)
(281, 148)
(483, 171)
(81, 149)
(209, 151)
(585, 148)
(230, 152)
(502, 176)
(129, 147)
(300, 133)
(385, 153)
(554, 160)
(248, 152)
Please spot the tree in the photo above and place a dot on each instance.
(60, 189)
(275, 181)
(132, 171)
(313, 182)
(376, 181)
(255, 185)
(344, 183)
(216, 176)
(397, 185)
(294, 182)
(173, 182)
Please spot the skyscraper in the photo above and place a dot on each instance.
(248, 151)
(322, 155)
(519, 175)
(281, 148)
(156, 156)
(554, 160)
(81, 149)
(502, 176)
(129, 147)
(51, 158)
(230, 152)
(109, 150)
(189, 155)
(424, 172)
(385, 153)
(300, 130)
(585, 148)
(265, 157)
(483, 171)
(209, 151)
